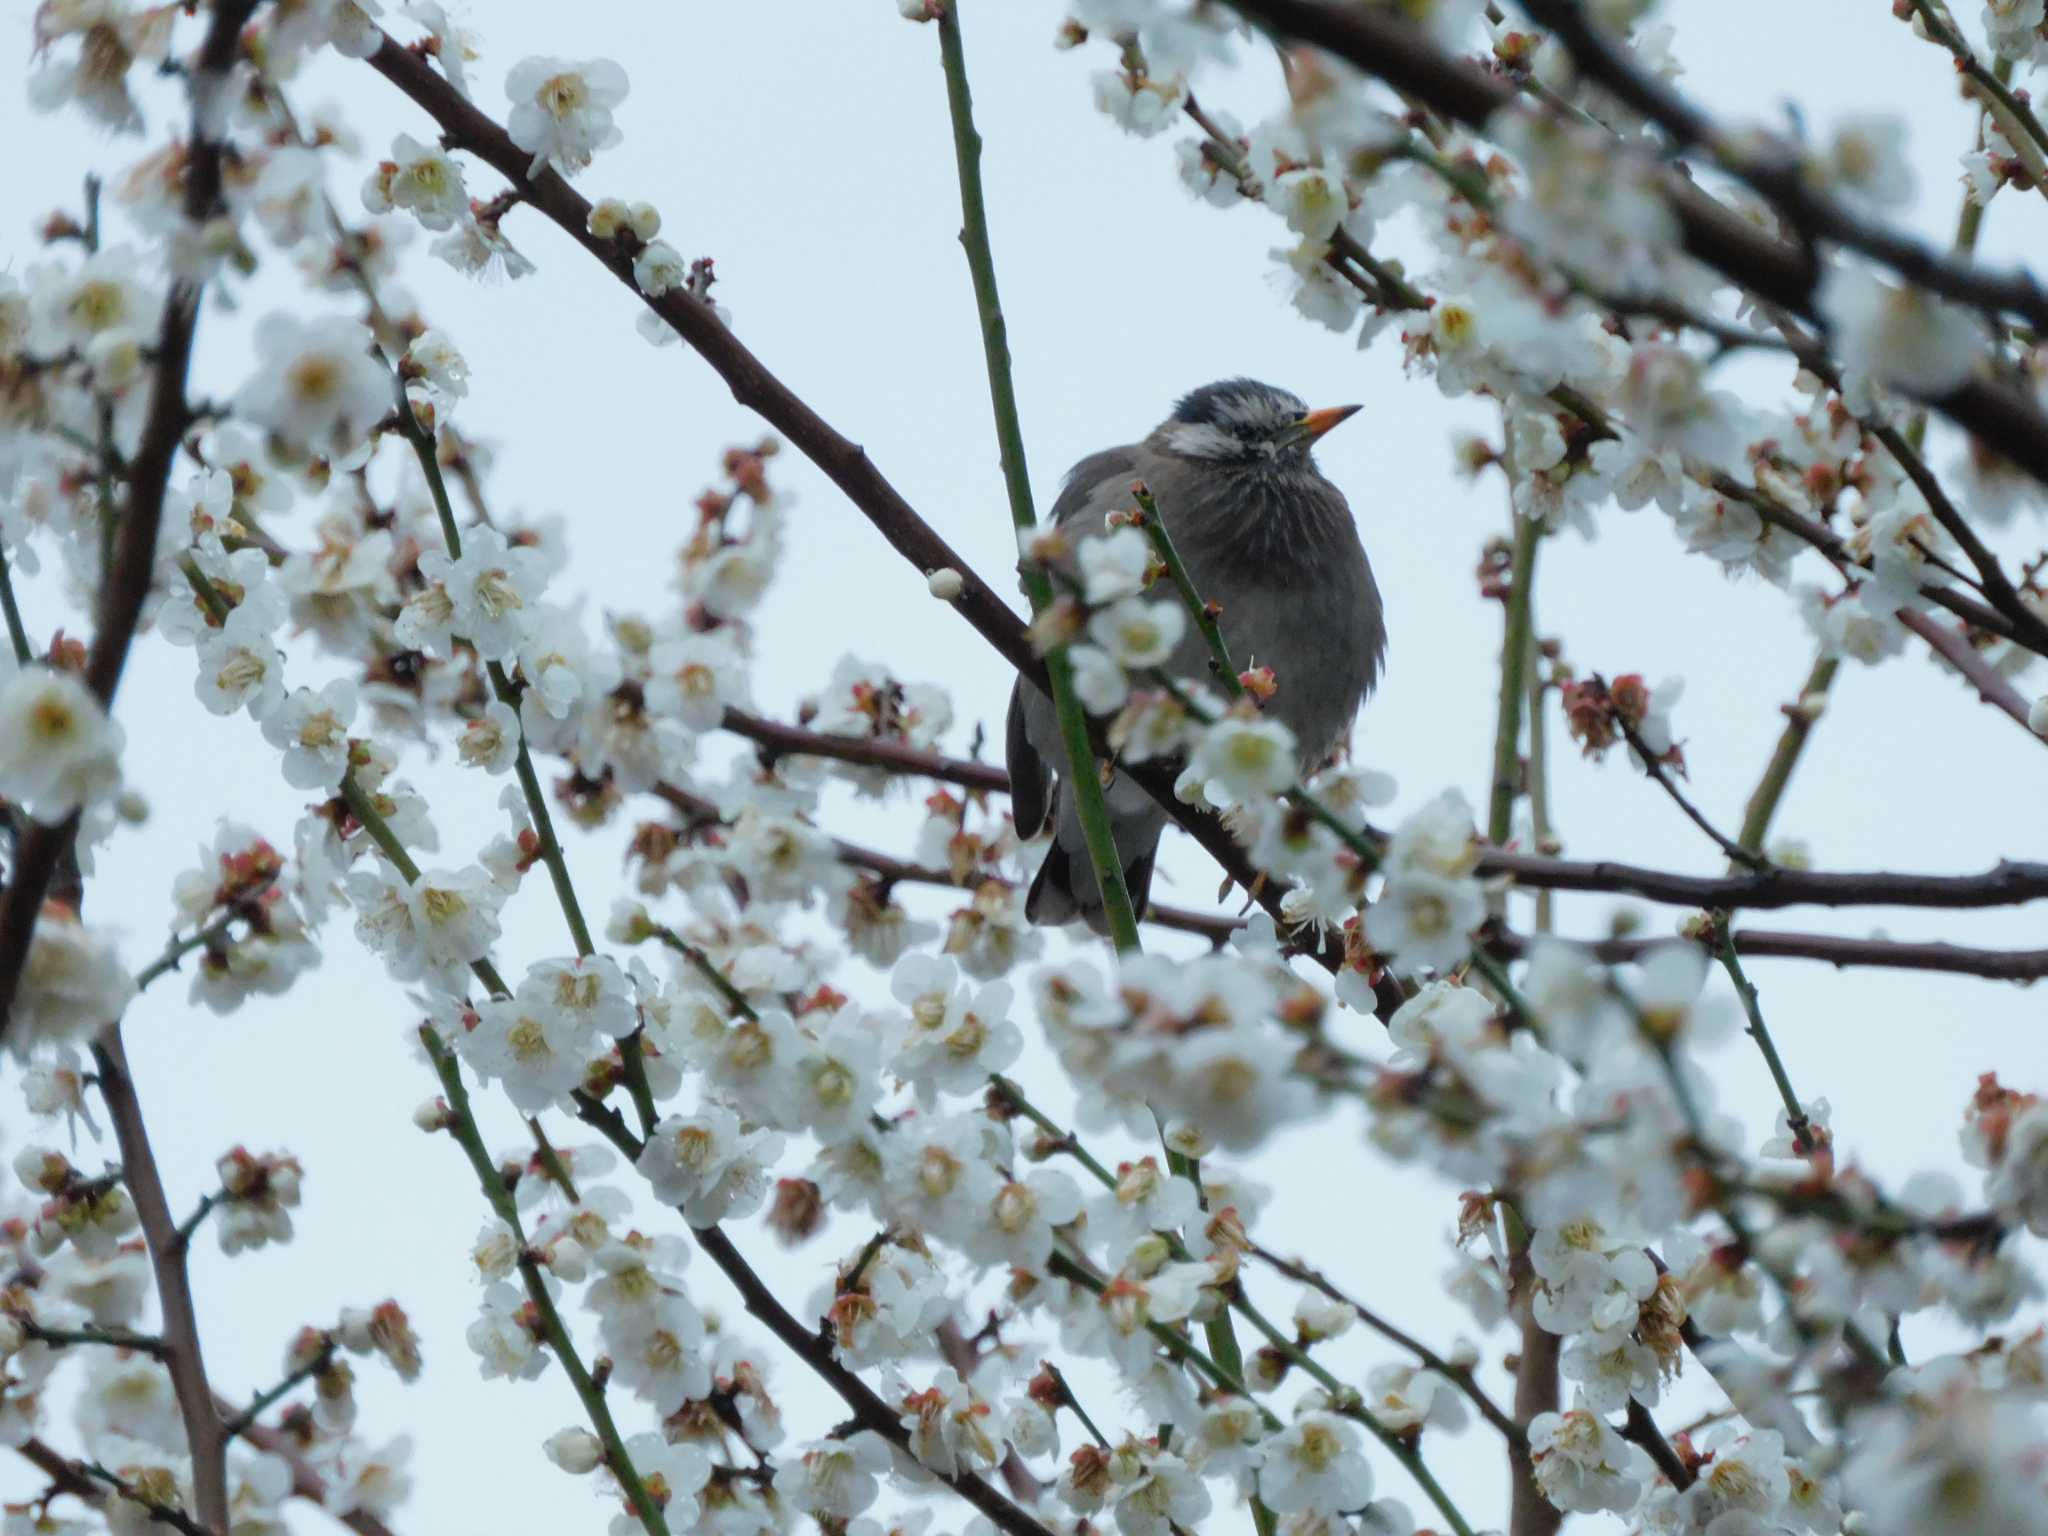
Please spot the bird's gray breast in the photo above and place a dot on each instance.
(1277, 547)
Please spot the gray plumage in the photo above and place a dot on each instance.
(1264, 535)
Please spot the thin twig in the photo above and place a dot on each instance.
(1795, 1110)
(93, 1333)
(126, 583)
(1748, 858)
(306, 1370)
(1083, 779)
(1800, 716)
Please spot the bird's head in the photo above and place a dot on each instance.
(1244, 423)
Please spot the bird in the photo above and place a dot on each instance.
(1270, 541)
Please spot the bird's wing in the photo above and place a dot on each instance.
(1112, 470)
(1030, 789)
(1091, 487)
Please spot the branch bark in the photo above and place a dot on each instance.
(205, 1434)
(125, 585)
(1783, 274)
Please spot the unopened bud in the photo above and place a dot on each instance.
(946, 584)
(798, 1211)
(576, 1451)
(433, 1115)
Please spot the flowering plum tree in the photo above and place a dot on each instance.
(768, 1037)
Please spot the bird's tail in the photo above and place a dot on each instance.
(1065, 887)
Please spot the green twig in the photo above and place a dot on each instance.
(1083, 780)
(177, 949)
(380, 833)
(1795, 1112)
(704, 966)
(462, 1125)
(305, 1370)
(1514, 671)
(1202, 614)
(92, 1333)
(189, 1227)
(1800, 717)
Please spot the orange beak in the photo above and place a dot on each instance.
(1316, 423)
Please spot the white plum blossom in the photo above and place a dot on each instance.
(318, 386)
(503, 1344)
(2017, 1185)
(431, 929)
(58, 749)
(1099, 683)
(695, 678)
(1898, 336)
(421, 179)
(705, 1164)
(835, 1479)
(488, 596)
(949, 1426)
(536, 1053)
(1245, 758)
(1137, 634)
(1017, 1231)
(1113, 566)
(240, 667)
(73, 984)
(1424, 920)
(1582, 1465)
(658, 1352)
(1866, 160)
(1142, 106)
(660, 267)
(1316, 1465)
(562, 110)
(312, 730)
(491, 741)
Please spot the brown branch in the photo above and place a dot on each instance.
(1779, 178)
(1660, 775)
(1536, 1392)
(63, 1475)
(890, 870)
(1783, 274)
(2007, 883)
(1459, 1376)
(1642, 1430)
(125, 585)
(777, 741)
(844, 462)
(813, 1345)
(1954, 647)
(204, 1432)
(1830, 948)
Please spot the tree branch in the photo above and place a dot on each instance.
(125, 586)
(1786, 275)
(204, 1433)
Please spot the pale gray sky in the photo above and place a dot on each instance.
(805, 146)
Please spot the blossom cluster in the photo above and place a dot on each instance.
(765, 1032)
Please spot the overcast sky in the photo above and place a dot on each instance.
(805, 146)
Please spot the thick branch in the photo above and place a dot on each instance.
(1786, 275)
(125, 585)
(204, 1433)
(2005, 884)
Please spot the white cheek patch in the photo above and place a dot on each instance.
(1204, 440)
